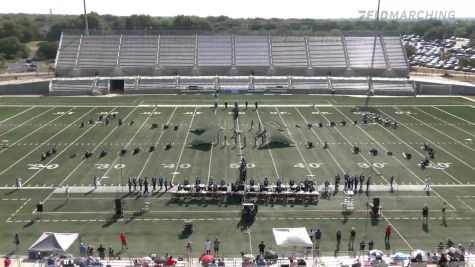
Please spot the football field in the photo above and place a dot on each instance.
(30, 126)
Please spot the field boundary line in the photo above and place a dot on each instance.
(465, 204)
(437, 130)
(296, 145)
(348, 141)
(64, 149)
(184, 144)
(453, 125)
(44, 142)
(156, 143)
(320, 140)
(454, 116)
(127, 144)
(82, 161)
(270, 152)
(26, 121)
(430, 141)
(11, 117)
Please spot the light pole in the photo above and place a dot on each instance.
(85, 19)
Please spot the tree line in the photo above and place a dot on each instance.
(18, 29)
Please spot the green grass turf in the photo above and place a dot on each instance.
(32, 125)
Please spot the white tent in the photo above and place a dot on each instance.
(54, 242)
(292, 237)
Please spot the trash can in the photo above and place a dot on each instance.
(188, 226)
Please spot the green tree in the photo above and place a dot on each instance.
(13, 48)
(47, 50)
(335, 32)
(3, 62)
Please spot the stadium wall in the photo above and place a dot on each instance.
(28, 88)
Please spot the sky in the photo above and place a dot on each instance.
(239, 8)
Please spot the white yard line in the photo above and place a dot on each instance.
(348, 141)
(268, 149)
(428, 140)
(454, 116)
(250, 239)
(99, 144)
(209, 165)
(437, 118)
(126, 145)
(320, 140)
(63, 150)
(18, 210)
(397, 231)
(184, 144)
(26, 136)
(418, 152)
(438, 130)
(156, 143)
(19, 125)
(296, 145)
(465, 204)
(18, 114)
(415, 175)
(40, 145)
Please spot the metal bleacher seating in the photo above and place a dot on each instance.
(138, 51)
(214, 50)
(252, 50)
(68, 52)
(98, 52)
(394, 50)
(360, 52)
(72, 87)
(326, 52)
(289, 51)
(177, 51)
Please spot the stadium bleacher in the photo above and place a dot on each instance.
(138, 54)
(360, 52)
(394, 50)
(72, 87)
(98, 54)
(326, 52)
(289, 52)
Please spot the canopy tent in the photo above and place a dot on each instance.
(419, 255)
(292, 237)
(54, 242)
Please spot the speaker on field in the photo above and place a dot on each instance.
(376, 202)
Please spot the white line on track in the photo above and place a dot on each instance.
(64, 149)
(437, 130)
(156, 143)
(451, 124)
(469, 122)
(184, 144)
(25, 122)
(428, 140)
(33, 150)
(268, 149)
(465, 204)
(18, 114)
(18, 210)
(296, 145)
(98, 144)
(128, 143)
(342, 135)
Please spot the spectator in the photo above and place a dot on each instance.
(262, 247)
(471, 247)
(220, 263)
(208, 247)
(371, 245)
(311, 234)
(216, 244)
(442, 260)
(7, 262)
(123, 240)
(338, 240)
(170, 261)
(352, 238)
(16, 240)
(188, 251)
(388, 233)
(101, 251)
(82, 250)
(318, 237)
(50, 261)
(111, 253)
(440, 247)
(450, 243)
(212, 264)
(425, 214)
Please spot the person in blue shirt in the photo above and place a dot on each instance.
(318, 236)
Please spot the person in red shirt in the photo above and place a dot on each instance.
(123, 239)
(388, 233)
(170, 261)
(7, 262)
